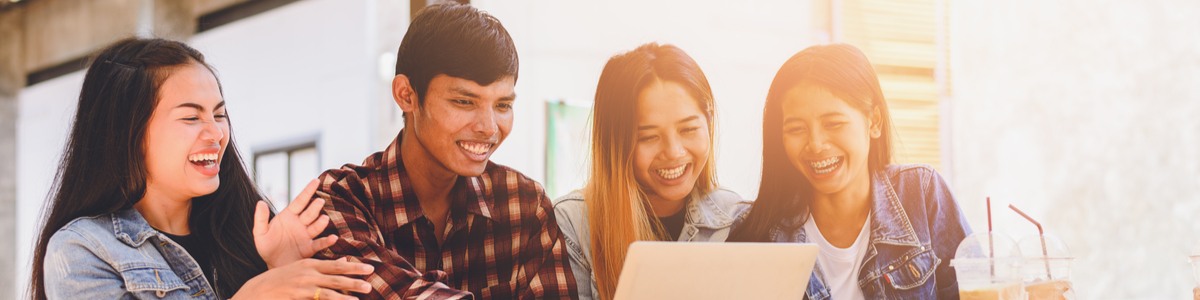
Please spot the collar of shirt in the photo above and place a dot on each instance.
(466, 197)
(131, 228)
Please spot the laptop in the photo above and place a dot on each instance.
(674, 270)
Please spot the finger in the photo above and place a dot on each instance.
(326, 294)
(325, 242)
(314, 209)
(334, 267)
(261, 213)
(343, 283)
(303, 198)
(319, 226)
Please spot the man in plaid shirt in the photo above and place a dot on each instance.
(434, 216)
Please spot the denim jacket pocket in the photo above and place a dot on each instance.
(152, 279)
(911, 271)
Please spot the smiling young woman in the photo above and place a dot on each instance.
(652, 172)
(885, 231)
(152, 200)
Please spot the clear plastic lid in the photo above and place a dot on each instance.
(1195, 259)
(1044, 246)
(984, 245)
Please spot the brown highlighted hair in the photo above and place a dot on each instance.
(617, 205)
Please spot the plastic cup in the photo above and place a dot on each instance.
(1196, 275)
(1046, 269)
(987, 266)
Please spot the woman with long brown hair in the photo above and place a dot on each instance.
(651, 176)
(885, 231)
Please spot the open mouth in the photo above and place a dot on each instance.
(203, 160)
(672, 173)
(476, 148)
(825, 166)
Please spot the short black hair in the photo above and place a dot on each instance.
(456, 40)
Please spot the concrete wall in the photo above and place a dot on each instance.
(1083, 113)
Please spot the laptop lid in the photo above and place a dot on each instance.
(674, 270)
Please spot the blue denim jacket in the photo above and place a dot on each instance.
(915, 229)
(708, 219)
(119, 256)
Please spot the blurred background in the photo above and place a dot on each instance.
(1082, 113)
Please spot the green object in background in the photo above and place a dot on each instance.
(566, 146)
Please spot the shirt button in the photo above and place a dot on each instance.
(161, 294)
(891, 268)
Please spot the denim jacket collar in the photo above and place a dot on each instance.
(707, 213)
(889, 225)
(131, 228)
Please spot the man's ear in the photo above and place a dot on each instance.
(403, 94)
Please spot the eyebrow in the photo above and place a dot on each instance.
(467, 93)
(832, 114)
(198, 106)
(684, 120)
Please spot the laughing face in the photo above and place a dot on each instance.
(672, 143)
(186, 135)
(827, 139)
(461, 123)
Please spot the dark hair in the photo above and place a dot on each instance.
(783, 191)
(103, 165)
(617, 205)
(456, 40)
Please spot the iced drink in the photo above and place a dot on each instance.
(996, 291)
(1049, 290)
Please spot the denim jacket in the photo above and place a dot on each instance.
(119, 256)
(708, 219)
(916, 227)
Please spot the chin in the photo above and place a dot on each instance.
(206, 188)
(470, 170)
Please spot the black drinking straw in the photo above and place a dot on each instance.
(1041, 236)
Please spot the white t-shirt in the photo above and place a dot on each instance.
(840, 265)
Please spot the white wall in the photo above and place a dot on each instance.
(1083, 113)
(299, 70)
(44, 115)
(563, 45)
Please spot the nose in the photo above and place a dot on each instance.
(674, 149)
(817, 142)
(213, 132)
(485, 123)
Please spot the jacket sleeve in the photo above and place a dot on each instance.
(360, 240)
(569, 220)
(950, 228)
(73, 270)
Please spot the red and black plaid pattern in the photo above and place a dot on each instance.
(501, 239)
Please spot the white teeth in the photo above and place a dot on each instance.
(475, 148)
(673, 172)
(826, 165)
(209, 158)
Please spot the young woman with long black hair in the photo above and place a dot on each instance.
(152, 200)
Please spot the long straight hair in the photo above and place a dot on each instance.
(617, 204)
(783, 191)
(103, 168)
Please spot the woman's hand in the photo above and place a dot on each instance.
(291, 235)
(308, 279)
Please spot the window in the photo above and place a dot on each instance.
(905, 42)
(282, 172)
